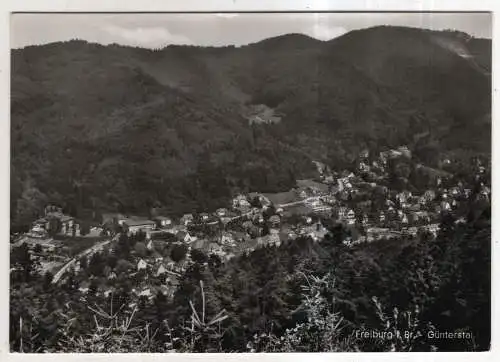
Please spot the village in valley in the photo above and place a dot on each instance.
(160, 248)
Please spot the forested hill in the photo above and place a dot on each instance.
(115, 127)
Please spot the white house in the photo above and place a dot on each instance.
(221, 212)
(445, 206)
(163, 221)
(187, 219)
(185, 237)
(161, 270)
(133, 226)
(141, 265)
(240, 201)
(226, 238)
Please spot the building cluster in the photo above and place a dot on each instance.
(56, 221)
(360, 200)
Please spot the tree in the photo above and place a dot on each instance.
(37, 249)
(54, 226)
(123, 266)
(84, 228)
(140, 249)
(111, 260)
(265, 230)
(96, 264)
(178, 252)
(198, 256)
(83, 262)
(47, 280)
(21, 257)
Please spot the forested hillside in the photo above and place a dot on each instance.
(119, 128)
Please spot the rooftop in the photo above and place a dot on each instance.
(136, 222)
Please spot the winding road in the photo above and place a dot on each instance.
(69, 264)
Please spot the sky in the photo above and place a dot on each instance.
(159, 30)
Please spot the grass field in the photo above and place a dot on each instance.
(76, 245)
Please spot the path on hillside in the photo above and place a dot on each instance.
(72, 261)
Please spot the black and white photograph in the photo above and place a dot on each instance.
(250, 182)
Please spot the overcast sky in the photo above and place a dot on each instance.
(157, 30)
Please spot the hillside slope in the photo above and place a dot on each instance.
(113, 127)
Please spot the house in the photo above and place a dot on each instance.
(53, 209)
(240, 201)
(303, 194)
(255, 210)
(111, 218)
(433, 229)
(350, 217)
(163, 221)
(246, 225)
(275, 220)
(315, 203)
(308, 220)
(226, 239)
(258, 219)
(255, 231)
(262, 199)
(67, 224)
(403, 197)
(214, 248)
(363, 167)
(141, 265)
(161, 270)
(39, 227)
(133, 226)
(390, 203)
(375, 233)
(146, 293)
(204, 216)
(185, 237)
(347, 241)
(347, 215)
(271, 239)
(405, 152)
(40, 224)
(364, 154)
(445, 206)
(187, 219)
(240, 237)
(221, 212)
